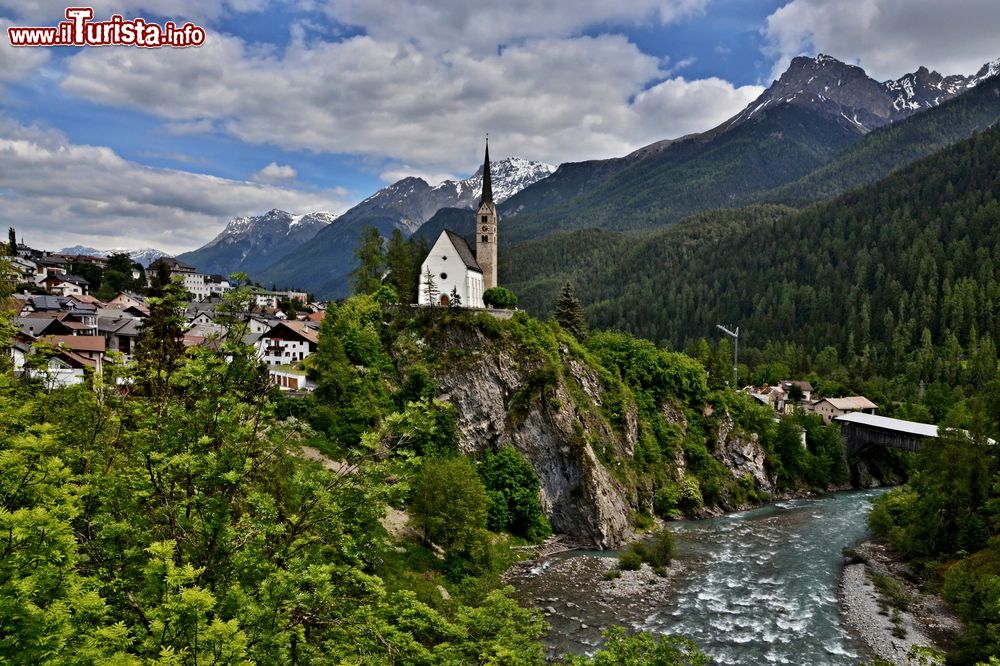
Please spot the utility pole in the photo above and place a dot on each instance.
(736, 352)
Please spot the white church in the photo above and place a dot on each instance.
(452, 269)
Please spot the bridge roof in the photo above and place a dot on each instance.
(886, 423)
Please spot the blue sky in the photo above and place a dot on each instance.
(314, 104)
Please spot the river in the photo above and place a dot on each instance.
(751, 588)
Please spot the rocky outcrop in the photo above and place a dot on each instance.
(742, 454)
(492, 390)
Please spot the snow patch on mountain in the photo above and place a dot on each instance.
(846, 92)
(144, 256)
(413, 201)
(273, 222)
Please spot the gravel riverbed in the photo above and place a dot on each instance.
(888, 627)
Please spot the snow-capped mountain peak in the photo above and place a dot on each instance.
(274, 221)
(510, 176)
(414, 201)
(144, 256)
(846, 92)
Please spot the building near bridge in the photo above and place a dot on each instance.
(831, 408)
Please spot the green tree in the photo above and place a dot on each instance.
(569, 313)
(366, 278)
(160, 346)
(499, 297)
(403, 258)
(449, 502)
(513, 491)
(430, 288)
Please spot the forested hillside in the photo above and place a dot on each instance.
(774, 148)
(168, 511)
(895, 146)
(896, 278)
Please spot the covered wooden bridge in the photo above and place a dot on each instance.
(861, 431)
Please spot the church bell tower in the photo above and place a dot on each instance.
(486, 227)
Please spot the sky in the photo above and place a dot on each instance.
(310, 105)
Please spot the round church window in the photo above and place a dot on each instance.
(444, 276)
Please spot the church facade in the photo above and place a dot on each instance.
(452, 270)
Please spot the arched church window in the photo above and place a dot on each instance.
(485, 219)
(484, 239)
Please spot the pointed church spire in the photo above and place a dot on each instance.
(487, 196)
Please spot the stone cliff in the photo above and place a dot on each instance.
(561, 412)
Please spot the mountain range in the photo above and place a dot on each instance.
(823, 127)
(144, 256)
(250, 244)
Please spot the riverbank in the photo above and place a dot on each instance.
(886, 610)
(582, 593)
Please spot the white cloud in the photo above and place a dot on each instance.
(693, 106)
(442, 25)
(46, 12)
(18, 63)
(551, 99)
(888, 37)
(275, 172)
(58, 193)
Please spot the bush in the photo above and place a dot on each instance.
(629, 560)
(657, 551)
(690, 496)
(643, 521)
(499, 297)
(665, 502)
(660, 549)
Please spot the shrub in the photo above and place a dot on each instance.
(629, 560)
(690, 497)
(499, 297)
(643, 521)
(665, 502)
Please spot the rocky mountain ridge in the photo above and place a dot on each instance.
(252, 242)
(415, 200)
(144, 256)
(846, 92)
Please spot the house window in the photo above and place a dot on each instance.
(484, 239)
(444, 276)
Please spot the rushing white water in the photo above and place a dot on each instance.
(757, 587)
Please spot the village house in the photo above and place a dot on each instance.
(64, 284)
(773, 396)
(288, 342)
(120, 334)
(37, 324)
(831, 408)
(805, 388)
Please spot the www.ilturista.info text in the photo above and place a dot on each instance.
(80, 30)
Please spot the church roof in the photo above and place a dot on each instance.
(487, 196)
(464, 251)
